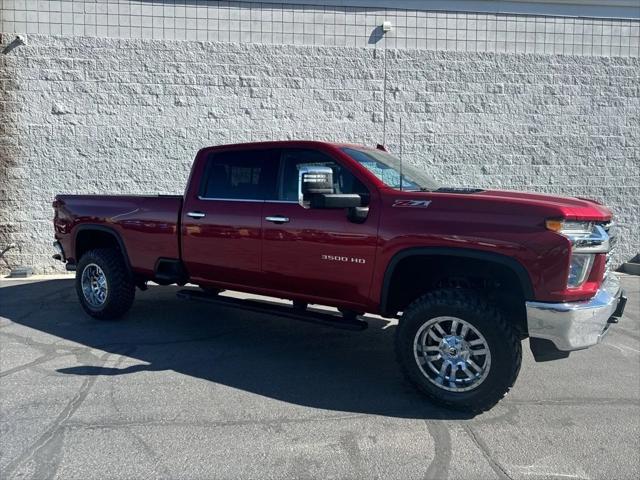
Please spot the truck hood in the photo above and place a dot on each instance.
(519, 206)
(571, 207)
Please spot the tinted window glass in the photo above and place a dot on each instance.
(391, 170)
(343, 180)
(248, 174)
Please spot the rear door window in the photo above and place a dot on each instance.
(241, 175)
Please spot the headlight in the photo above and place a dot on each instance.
(569, 227)
(587, 239)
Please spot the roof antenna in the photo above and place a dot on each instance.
(384, 100)
(401, 175)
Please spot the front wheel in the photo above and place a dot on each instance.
(103, 284)
(456, 348)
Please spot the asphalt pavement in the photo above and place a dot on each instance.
(181, 389)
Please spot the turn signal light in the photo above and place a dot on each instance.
(554, 224)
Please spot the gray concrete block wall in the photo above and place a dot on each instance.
(577, 32)
(100, 115)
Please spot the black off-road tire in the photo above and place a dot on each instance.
(503, 342)
(120, 285)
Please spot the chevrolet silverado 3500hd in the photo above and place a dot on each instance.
(470, 272)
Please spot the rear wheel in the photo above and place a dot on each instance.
(456, 348)
(103, 284)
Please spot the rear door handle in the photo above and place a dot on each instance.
(277, 219)
(196, 214)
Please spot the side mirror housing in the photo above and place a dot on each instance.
(336, 200)
(312, 181)
(315, 189)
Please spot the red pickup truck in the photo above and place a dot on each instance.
(469, 272)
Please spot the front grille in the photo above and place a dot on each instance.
(610, 228)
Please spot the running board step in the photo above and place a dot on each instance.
(272, 308)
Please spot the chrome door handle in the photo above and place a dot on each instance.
(277, 219)
(196, 214)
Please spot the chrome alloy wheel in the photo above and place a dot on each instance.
(452, 354)
(94, 285)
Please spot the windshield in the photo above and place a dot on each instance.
(391, 171)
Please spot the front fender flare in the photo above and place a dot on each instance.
(509, 262)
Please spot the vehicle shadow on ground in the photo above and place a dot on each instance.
(292, 361)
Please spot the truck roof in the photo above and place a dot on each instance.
(287, 143)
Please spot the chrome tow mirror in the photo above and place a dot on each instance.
(315, 189)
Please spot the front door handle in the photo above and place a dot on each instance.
(277, 219)
(196, 214)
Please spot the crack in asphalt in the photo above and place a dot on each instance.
(508, 416)
(33, 363)
(349, 444)
(44, 456)
(102, 346)
(499, 470)
(578, 402)
(623, 332)
(439, 467)
(50, 441)
(62, 292)
(48, 355)
(76, 425)
(153, 456)
(49, 351)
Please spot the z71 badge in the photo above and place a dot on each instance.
(412, 203)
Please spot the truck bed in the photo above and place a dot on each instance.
(147, 225)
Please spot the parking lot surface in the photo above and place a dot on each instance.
(192, 390)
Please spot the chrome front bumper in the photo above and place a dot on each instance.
(577, 325)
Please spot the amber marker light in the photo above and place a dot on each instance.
(554, 225)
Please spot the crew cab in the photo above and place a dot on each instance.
(468, 272)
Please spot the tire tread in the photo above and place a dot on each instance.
(466, 300)
(121, 286)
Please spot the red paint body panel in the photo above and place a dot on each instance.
(148, 226)
(234, 247)
(292, 255)
(225, 244)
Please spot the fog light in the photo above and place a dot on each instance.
(579, 269)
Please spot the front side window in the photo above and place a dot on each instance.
(241, 175)
(343, 180)
(392, 171)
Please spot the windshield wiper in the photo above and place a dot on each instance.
(459, 190)
(421, 189)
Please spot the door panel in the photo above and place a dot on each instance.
(224, 245)
(319, 253)
(222, 221)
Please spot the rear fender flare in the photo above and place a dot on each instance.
(110, 231)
